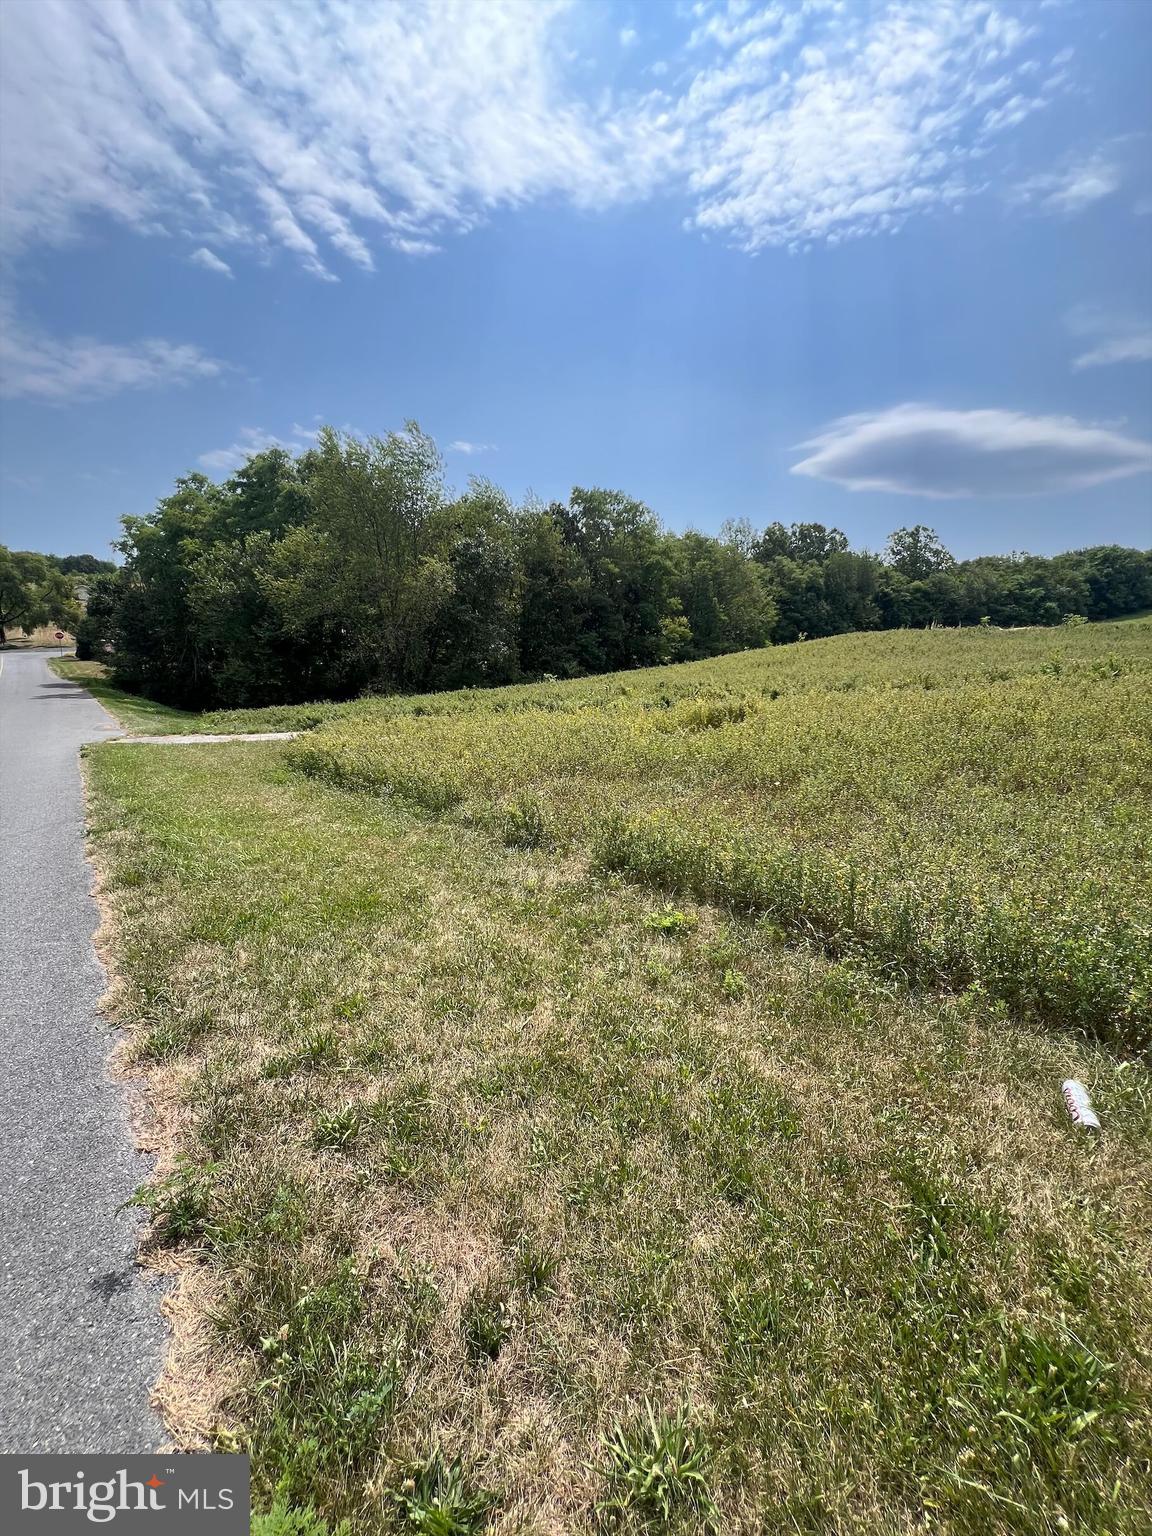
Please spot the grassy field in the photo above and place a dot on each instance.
(889, 659)
(634, 1104)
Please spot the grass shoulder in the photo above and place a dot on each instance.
(132, 710)
(146, 716)
(512, 1194)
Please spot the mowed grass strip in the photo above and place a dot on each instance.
(138, 714)
(513, 1198)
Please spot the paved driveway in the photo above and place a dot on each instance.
(81, 1335)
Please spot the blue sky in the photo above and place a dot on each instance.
(870, 264)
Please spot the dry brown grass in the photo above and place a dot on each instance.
(717, 1194)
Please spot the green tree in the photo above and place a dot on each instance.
(724, 596)
(631, 578)
(156, 640)
(807, 543)
(80, 565)
(474, 639)
(94, 632)
(23, 576)
(554, 594)
(58, 601)
(917, 552)
(378, 507)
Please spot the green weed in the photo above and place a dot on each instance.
(437, 1498)
(670, 920)
(656, 1467)
(180, 1203)
(337, 1129)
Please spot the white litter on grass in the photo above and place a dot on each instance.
(1080, 1105)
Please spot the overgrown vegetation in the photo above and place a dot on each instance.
(640, 1110)
(964, 834)
(354, 569)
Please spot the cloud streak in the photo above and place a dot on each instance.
(798, 135)
(333, 129)
(1116, 338)
(250, 440)
(58, 370)
(1136, 347)
(210, 261)
(1074, 187)
(924, 450)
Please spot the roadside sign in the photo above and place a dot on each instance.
(59, 634)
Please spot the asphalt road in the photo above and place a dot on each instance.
(81, 1335)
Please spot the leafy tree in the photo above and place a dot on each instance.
(554, 594)
(33, 592)
(267, 494)
(917, 552)
(677, 642)
(738, 533)
(351, 568)
(80, 565)
(724, 597)
(253, 656)
(154, 634)
(95, 629)
(58, 601)
(22, 580)
(474, 639)
(807, 543)
(378, 505)
(850, 585)
(1118, 580)
(631, 578)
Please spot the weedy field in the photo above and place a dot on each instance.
(634, 1104)
(887, 659)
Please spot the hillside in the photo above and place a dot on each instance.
(635, 1103)
(885, 659)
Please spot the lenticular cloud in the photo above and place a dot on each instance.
(923, 450)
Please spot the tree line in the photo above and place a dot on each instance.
(44, 589)
(351, 567)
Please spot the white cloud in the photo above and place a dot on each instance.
(924, 450)
(820, 124)
(34, 365)
(415, 247)
(1135, 347)
(462, 446)
(1115, 338)
(735, 21)
(628, 35)
(210, 261)
(250, 440)
(1074, 187)
(333, 128)
(302, 125)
